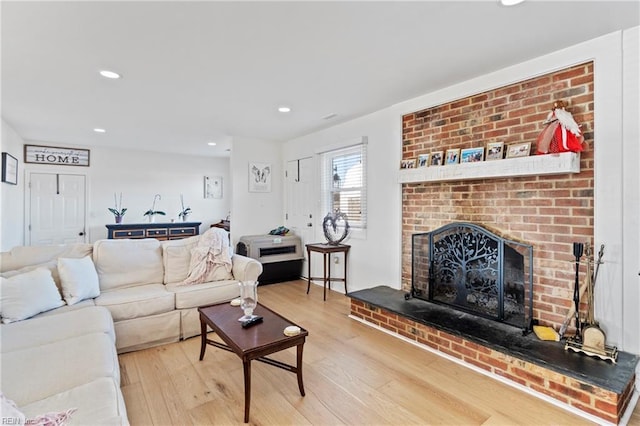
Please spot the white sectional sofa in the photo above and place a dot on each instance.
(119, 296)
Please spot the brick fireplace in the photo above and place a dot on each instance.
(549, 212)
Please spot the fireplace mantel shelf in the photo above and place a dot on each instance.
(534, 165)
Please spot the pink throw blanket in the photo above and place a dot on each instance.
(210, 259)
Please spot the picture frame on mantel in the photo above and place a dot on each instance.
(9, 169)
(409, 163)
(495, 151)
(518, 150)
(435, 158)
(452, 156)
(472, 155)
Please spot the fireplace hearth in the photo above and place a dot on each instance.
(590, 385)
(466, 267)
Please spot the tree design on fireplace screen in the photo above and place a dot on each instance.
(464, 266)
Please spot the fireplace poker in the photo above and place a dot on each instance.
(598, 263)
(583, 290)
(578, 250)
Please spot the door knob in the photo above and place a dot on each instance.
(309, 224)
(81, 233)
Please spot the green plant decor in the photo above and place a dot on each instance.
(152, 211)
(118, 211)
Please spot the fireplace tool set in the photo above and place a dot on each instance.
(589, 338)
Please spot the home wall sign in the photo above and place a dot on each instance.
(56, 155)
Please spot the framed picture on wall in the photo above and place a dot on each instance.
(259, 177)
(452, 156)
(495, 151)
(9, 169)
(213, 187)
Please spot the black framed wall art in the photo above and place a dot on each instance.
(9, 169)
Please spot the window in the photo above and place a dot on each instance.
(345, 183)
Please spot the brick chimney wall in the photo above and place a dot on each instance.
(549, 212)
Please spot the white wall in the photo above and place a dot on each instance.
(376, 261)
(631, 188)
(11, 204)
(254, 213)
(139, 175)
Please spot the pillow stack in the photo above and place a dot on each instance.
(33, 290)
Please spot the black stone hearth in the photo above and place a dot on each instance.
(506, 339)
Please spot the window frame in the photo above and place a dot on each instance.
(327, 158)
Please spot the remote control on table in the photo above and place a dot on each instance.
(253, 321)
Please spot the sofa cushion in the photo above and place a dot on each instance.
(43, 330)
(22, 256)
(97, 402)
(192, 296)
(67, 308)
(135, 302)
(126, 263)
(144, 332)
(176, 255)
(28, 294)
(51, 265)
(31, 374)
(78, 278)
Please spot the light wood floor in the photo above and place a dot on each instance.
(353, 374)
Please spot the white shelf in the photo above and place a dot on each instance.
(534, 165)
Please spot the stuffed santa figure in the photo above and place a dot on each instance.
(561, 133)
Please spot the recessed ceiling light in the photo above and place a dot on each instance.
(510, 2)
(212, 144)
(109, 74)
(98, 130)
(284, 109)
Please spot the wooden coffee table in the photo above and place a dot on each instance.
(251, 343)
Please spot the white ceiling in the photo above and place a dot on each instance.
(195, 72)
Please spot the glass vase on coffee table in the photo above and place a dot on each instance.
(249, 298)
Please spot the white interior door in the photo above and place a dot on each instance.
(56, 209)
(300, 217)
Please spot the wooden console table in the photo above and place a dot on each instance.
(159, 231)
(326, 250)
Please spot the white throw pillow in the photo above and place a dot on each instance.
(51, 265)
(79, 279)
(28, 294)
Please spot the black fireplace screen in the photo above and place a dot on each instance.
(473, 270)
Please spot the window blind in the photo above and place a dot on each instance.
(345, 183)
